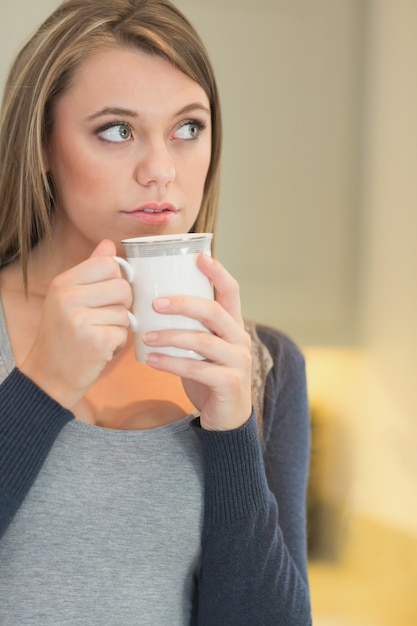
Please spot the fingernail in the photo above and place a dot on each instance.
(152, 359)
(150, 337)
(161, 303)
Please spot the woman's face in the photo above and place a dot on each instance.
(129, 151)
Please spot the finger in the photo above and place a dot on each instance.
(73, 300)
(92, 270)
(104, 248)
(210, 313)
(226, 286)
(229, 382)
(103, 341)
(103, 316)
(96, 269)
(101, 260)
(106, 293)
(207, 345)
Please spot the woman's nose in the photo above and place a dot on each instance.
(155, 165)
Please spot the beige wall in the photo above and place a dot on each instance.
(389, 285)
(18, 18)
(372, 391)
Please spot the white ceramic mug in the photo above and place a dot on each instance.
(161, 266)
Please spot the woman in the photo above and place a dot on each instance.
(133, 493)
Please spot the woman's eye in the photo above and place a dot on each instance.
(189, 130)
(116, 133)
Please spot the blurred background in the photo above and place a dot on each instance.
(318, 222)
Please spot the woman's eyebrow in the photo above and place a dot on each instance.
(194, 106)
(121, 112)
(113, 111)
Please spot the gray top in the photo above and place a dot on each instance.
(141, 509)
(7, 362)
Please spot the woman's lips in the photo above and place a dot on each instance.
(153, 213)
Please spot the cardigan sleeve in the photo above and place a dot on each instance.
(286, 432)
(253, 568)
(30, 422)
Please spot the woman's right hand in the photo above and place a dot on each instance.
(84, 323)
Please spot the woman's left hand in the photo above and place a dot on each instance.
(219, 386)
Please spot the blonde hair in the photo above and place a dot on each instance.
(43, 70)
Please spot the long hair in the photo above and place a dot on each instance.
(44, 69)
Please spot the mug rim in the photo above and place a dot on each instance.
(168, 238)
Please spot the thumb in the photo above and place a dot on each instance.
(104, 248)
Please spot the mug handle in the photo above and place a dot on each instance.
(130, 275)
